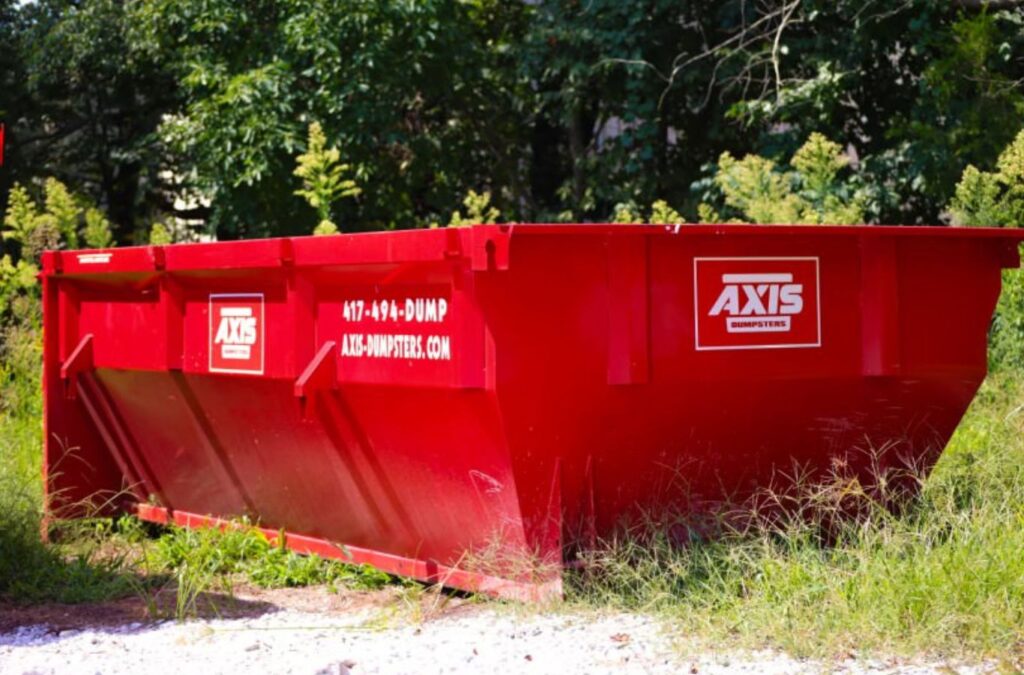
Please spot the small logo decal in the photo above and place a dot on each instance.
(236, 333)
(756, 303)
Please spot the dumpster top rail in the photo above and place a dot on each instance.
(485, 246)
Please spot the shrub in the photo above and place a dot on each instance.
(996, 199)
(755, 190)
(323, 178)
(478, 211)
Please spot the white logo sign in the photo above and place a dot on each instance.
(756, 303)
(236, 333)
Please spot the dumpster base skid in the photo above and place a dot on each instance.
(427, 571)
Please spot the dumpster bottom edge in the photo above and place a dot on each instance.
(427, 571)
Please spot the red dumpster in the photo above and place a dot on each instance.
(426, 400)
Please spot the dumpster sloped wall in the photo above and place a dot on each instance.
(469, 406)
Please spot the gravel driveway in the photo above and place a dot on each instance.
(388, 639)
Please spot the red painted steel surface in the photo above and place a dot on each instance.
(449, 403)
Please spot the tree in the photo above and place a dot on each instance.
(560, 109)
(415, 92)
(87, 108)
(640, 99)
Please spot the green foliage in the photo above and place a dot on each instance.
(565, 109)
(755, 191)
(31, 571)
(970, 101)
(58, 221)
(1006, 334)
(96, 233)
(626, 213)
(325, 228)
(478, 211)
(421, 95)
(160, 235)
(996, 199)
(708, 214)
(82, 104)
(207, 553)
(661, 213)
(922, 90)
(61, 212)
(323, 178)
(993, 199)
(753, 188)
(21, 218)
(17, 285)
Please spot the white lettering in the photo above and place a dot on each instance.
(768, 296)
(385, 346)
(728, 301)
(236, 330)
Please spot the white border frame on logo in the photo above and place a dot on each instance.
(718, 348)
(263, 331)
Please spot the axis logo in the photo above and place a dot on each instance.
(236, 333)
(756, 303)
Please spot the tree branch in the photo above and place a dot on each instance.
(990, 4)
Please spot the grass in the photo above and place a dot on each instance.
(210, 559)
(30, 571)
(944, 576)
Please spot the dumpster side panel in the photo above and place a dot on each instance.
(719, 424)
(203, 408)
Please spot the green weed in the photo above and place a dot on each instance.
(204, 560)
(241, 548)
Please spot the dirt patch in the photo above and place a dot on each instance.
(245, 601)
(134, 609)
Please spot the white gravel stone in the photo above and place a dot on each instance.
(289, 641)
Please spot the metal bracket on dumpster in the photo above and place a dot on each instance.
(321, 373)
(80, 361)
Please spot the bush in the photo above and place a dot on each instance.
(996, 199)
(754, 190)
